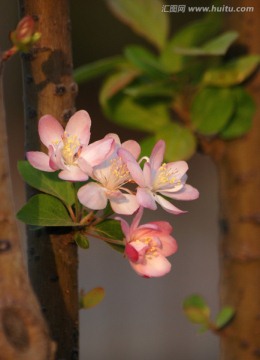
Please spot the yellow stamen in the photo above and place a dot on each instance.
(71, 149)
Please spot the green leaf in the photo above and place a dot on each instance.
(217, 46)
(224, 317)
(45, 210)
(144, 17)
(91, 298)
(211, 110)
(241, 121)
(114, 84)
(158, 89)
(47, 182)
(90, 71)
(144, 60)
(196, 309)
(180, 142)
(111, 229)
(232, 73)
(136, 115)
(81, 240)
(194, 34)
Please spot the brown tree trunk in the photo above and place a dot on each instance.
(239, 169)
(49, 89)
(23, 331)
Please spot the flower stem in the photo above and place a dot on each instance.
(111, 241)
(87, 219)
(77, 204)
(72, 215)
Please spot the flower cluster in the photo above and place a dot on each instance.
(113, 173)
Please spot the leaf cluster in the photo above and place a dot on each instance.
(57, 206)
(198, 312)
(186, 88)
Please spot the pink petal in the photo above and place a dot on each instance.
(161, 226)
(147, 173)
(93, 196)
(167, 206)
(79, 126)
(50, 130)
(133, 167)
(136, 219)
(157, 155)
(131, 253)
(124, 227)
(73, 173)
(169, 245)
(125, 204)
(154, 266)
(39, 160)
(145, 198)
(179, 168)
(186, 193)
(115, 137)
(133, 147)
(85, 167)
(98, 151)
(55, 158)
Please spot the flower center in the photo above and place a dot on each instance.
(119, 174)
(148, 248)
(71, 149)
(166, 176)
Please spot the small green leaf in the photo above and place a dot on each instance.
(137, 115)
(220, 44)
(45, 210)
(217, 46)
(194, 34)
(47, 182)
(241, 121)
(98, 68)
(232, 73)
(144, 60)
(81, 240)
(180, 142)
(144, 17)
(114, 84)
(111, 229)
(224, 317)
(211, 110)
(196, 309)
(152, 89)
(91, 298)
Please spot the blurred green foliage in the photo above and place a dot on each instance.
(188, 87)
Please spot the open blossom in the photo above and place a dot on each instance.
(69, 149)
(148, 245)
(158, 180)
(110, 177)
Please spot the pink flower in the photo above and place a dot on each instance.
(110, 177)
(157, 181)
(69, 150)
(148, 245)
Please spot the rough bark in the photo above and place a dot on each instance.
(23, 331)
(238, 164)
(49, 89)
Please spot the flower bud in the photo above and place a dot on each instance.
(24, 36)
